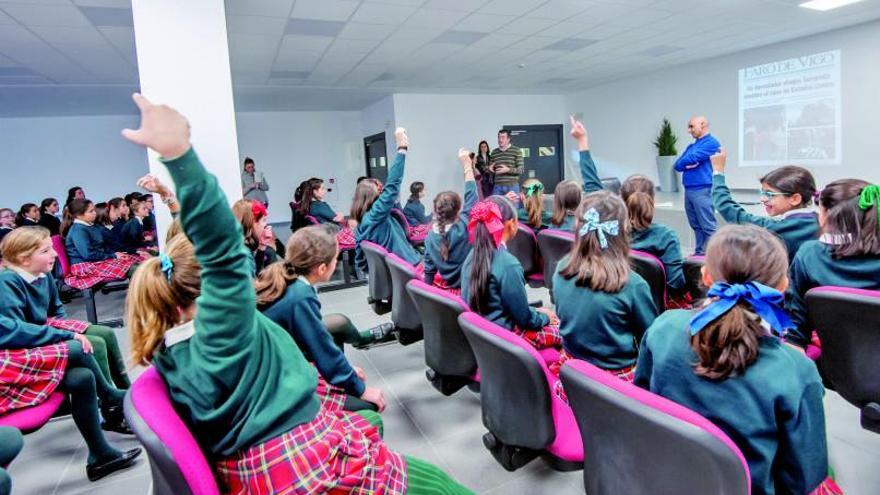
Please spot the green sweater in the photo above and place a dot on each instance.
(773, 412)
(592, 183)
(794, 229)
(662, 242)
(599, 327)
(32, 302)
(240, 379)
(523, 217)
(813, 266)
(512, 157)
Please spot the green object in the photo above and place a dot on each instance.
(665, 142)
(534, 188)
(423, 478)
(870, 197)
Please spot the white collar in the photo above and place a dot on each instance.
(797, 211)
(26, 275)
(82, 222)
(180, 333)
(835, 239)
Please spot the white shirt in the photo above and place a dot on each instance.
(180, 333)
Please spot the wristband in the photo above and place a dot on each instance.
(402, 148)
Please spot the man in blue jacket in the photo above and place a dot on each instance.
(697, 180)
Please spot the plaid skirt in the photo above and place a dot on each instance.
(86, 275)
(29, 376)
(626, 374)
(336, 453)
(418, 233)
(827, 487)
(345, 238)
(547, 337)
(440, 283)
(683, 301)
(76, 326)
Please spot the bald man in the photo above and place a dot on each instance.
(696, 177)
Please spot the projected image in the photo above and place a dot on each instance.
(811, 144)
(764, 135)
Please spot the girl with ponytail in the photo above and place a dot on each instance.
(446, 246)
(846, 255)
(568, 194)
(532, 211)
(311, 203)
(727, 363)
(492, 280)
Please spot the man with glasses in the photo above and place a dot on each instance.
(696, 171)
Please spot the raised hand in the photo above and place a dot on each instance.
(162, 129)
(152, 184)
(464, 156)
(579, 133)
(719, 160)
(401, 137)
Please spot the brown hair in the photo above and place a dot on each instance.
(534, 204)
(153, 303)
(23, 211)
(738, 254)
(637, 192)
(447, 207)
(174, 230)
(21, 243)
(792, 179)
(102, 216)
(75, 208)
(307, 194)
(307, 248)
(857, 228)
(244, 213)
(566, 198)
(483, 254)
(115, 204)
(415, 190)
(607, 269)
(365, 194)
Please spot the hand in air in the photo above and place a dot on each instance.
(719, 160)
(162, 129)
(401, 137)
(579, 133)
(464, 157)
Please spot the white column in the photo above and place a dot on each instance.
(183, 61)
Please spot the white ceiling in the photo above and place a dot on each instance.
(345, 54)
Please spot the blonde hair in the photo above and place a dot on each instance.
(22, 243)
(534, 204)
(174, 230)
(244, 213)
(154, 298)
(307, 248)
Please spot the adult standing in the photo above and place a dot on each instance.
(696, 169)
(506, 161)
(253, 183)
(481, 162)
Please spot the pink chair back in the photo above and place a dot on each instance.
(61, 251)
(33, 418)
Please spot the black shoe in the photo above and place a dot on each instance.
(98, 470)
(114, 420)
(381, 334)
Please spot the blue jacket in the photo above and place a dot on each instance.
(695, 164)
(415, 213)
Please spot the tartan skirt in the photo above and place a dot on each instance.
(827, 487)
(337, 453)
(418, 233)
(86, 275)
(76, 326)
(440, 283)
(345, 238)
(545, 338)
(627, 374)
(29, 376)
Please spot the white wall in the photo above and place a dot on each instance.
(623, 117)
(44, 156)
(379, 117)
(438, 125)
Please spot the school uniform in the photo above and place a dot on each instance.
(794, 227)
(242, 385)
(324, 214)
(112, 238)
(602, 328)
(27, 222)
(661, 241)
(11, 442)
(773, 412)
(447, 273)
(378, 227)
(814, 266)
(4, 231)
(132, 235)
(91, 262)
(592, 183)
(50, 222)
(415, 213)
(523, 217)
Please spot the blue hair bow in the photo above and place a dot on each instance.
(167, 266)
(591, 223)
(765, 301)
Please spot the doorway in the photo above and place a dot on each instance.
(376, 156)
(543, 155)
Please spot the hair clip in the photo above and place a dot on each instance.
(167, 266)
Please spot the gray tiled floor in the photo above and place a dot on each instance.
(419, 421)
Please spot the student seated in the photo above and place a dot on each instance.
(846, 255)
(236, 378)
(532, 212)
(414, 209)
(786, 194)
(91, 261)
(311, 202)
(603, 306)
(492, 281)
(29, 294)
(725, 363)
(28, 215)
(568, 194)
(447, 245)
(135, 235)
(253, 218)
(48, 209)
(11, 442)
(7, 222)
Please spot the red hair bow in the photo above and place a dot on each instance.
(488, 214)
(258, 209)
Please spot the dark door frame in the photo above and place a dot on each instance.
(559, 141)
(368, 140)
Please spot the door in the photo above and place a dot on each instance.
(377, 156)
(543, 156)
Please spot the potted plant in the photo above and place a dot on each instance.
(666, 153)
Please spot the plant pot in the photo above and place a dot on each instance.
(668, 177)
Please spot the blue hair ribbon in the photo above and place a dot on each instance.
(167, 266)
(766, 301)
(593, 223)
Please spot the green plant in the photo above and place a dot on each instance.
(665, 142)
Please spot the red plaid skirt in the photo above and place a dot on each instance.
(827, 487)
(626, 374)
(69, 325)
(417, 233)
(29, 376)
(336, 453)
(332, 398)
(440, 283)
(85, 275)
(345, 238)
(547, 337)
(683, 301)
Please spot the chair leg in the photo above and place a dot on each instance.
(91, 310)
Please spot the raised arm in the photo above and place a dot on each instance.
(226, 309)
(730, 210)
(470, 185)
(590, 176)
(381, 208)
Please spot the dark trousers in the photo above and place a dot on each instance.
(701, 215)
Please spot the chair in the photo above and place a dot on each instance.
(451, 362)
(693, 276)
(415, 240)
(89, 294)
(848, 323)
(378, 277)
(553, 245)
(651, 269)
(177, 463)
(640, 442)
(404, 313)
(346, 255)
(524, 246)
(33, 418)
(523, 414)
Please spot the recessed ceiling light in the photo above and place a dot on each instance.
(823, 5)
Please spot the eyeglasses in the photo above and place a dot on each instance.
(7, 215)
(768, 195)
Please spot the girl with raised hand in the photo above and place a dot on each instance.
(91, 261)
(492, 281)
(238, 380)
(846, 255)
(604, 307)
(724, 362)
(567, 195)
(371, 208)
(786, 194)
(447, 246)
